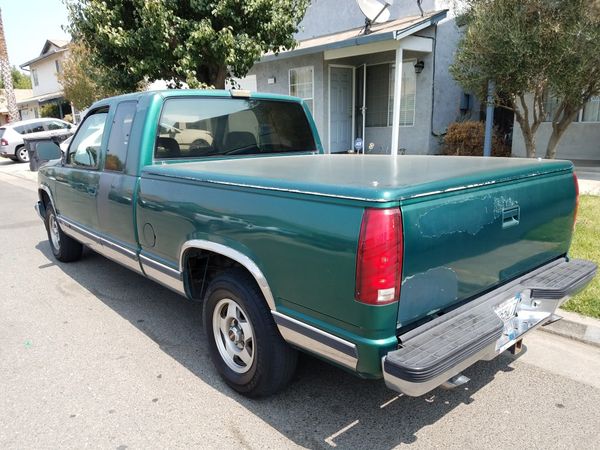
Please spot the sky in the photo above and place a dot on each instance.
(27, 25)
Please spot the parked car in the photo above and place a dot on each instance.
(11, 135)
(407, 268)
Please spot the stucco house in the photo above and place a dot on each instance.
(44, 71)
(349, 77)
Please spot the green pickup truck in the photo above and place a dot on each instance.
(407, 268)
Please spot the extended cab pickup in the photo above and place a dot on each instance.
(409, 268)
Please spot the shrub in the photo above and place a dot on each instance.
(466, 139)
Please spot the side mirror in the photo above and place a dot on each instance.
(69, 126)
(47, 151)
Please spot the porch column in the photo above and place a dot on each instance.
(397, 96)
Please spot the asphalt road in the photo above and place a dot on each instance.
(93, 355)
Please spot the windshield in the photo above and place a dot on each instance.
(216, 127)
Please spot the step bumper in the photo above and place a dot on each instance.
(483, 328)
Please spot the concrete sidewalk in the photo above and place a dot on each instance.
(575, 326)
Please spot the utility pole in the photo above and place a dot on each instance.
(489, 119)
(5, 72)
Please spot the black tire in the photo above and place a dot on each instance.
(21, 154)
(274, 361)
(65, 249)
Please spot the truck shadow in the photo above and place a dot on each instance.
(324, 407)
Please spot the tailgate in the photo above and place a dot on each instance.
(458, 245)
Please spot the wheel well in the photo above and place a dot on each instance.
(45, 198)
(202, 266)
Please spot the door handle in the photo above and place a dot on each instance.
(511, 216)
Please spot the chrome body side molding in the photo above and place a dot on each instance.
(162, 274)
(108, 248)
(316, 341)
(236, 256)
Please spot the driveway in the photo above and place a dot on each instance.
(93, 355)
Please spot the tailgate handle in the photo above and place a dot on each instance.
(511, 216)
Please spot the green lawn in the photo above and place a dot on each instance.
(586, 245)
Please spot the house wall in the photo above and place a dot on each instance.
(47, 76)
(580, 141)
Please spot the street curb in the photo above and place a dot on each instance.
(575, 326)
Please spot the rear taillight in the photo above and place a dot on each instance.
(576, 181)
(379, 258)
(3, 142)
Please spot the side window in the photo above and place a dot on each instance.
(37, 127)
(23, 129)
(85, 146)
(56, 125)
(116, 152)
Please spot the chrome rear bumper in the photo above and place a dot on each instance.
(482, 329)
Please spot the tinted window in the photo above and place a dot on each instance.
(200, 127)
(116, 152)
(2, 130)
(23, 129)
(36, 127)
(85, 147)
(56, 125)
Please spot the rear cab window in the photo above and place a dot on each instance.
(218, 127)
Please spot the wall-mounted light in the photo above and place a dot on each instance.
(419, 66)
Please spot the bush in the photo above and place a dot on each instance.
(50, 110)
(466, 139)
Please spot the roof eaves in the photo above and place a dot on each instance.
(360, 40)
(39, 58)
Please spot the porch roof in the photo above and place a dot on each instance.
(41, 98)
(391, 30)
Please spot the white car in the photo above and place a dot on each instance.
(11, 135)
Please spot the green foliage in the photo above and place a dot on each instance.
(532, 47)
(199, 42)
(83, 81)
(585, 245)
(50, 110)
(19, 79)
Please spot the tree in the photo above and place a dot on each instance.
(532, 48)
(198, 42)
(5, 75)
(19, 79)
(83, 81)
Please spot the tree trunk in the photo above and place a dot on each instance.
(218, 76)
(529, 139)
(558, 131)
(11, 102)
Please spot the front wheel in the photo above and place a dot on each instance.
(244, 342)
(64, 248)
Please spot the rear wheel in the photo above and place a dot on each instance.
(64, 248)
(22, 155)
(244, 342)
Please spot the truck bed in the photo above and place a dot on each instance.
(469, 223)
(370, 178)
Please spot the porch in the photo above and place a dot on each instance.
(349, 81)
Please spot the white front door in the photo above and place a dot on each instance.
(340, 108)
